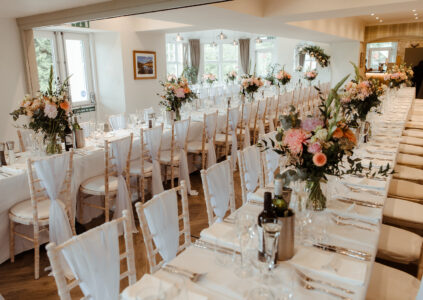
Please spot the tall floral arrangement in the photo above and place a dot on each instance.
(316, 146)
(283, 77)
(231, 76)
(250, 84)
(359, 97)
(176, 93)
(310, 75)
(318, 53)
(398, 75)
(209, 78)
(48, 112)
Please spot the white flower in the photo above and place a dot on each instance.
(321, 134)
(50, 110)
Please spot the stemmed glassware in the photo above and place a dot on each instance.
(245, 223)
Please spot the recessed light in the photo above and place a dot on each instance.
(372, 14)
(416, 14)
(414, 10)
(416, 18)
(377, 18)
(380, 21)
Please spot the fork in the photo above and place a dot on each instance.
(339, 222)
(358, 190)
(342, 218)
(193, 276)
(309, 279)
(308, 286)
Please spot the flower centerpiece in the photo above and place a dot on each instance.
(399, 75)
(231, 76)
(249, 85)
(283, 77)
(359, 97)
(318, 53)
(310, 76)
(48, 112)
(176, 93)
(209, 78)
(316, 147)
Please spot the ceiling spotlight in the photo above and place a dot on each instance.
(380, 21)
(179, 38)
(235, 43)
(213, 44)
(372, 14)
(222, 36)
(258, 40)
(416, 18)
(416, 14)
(377, 18)
(414, 10)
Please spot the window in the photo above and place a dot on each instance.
(174, 54)
(309, 63)
(380, 54)
(69, 54)
(264, 57)
(220, 59)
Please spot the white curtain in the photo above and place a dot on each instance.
(120, 150)
(117, 122)
(246, 120)
(181, 132)
(211, 124)
(162, 218)
(218, 181)
(94, 259)
(252, 167)
(52, 173)
(153, 139)
(233, 122)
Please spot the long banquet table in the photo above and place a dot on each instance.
(221, 282)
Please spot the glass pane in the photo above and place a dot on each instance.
(170, 52)
(211, 53)
(229, 52)
(228, 67)
(266, 44)
(381, 45)
(76, 70)
(378, 57)
(180, 53)
(211, 68)
(44, 56)
(180, 69)
(171, 69)
(263, 60)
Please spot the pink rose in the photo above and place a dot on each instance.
(180, 93)
(294, 139)
(315, 148)
(310, 124)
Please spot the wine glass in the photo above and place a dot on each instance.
(244, 222)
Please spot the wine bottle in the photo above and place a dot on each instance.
(279, 203)
(265, 214)
(75, 123)
(68, 138)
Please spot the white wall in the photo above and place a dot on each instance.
(342, 53)
(12, 76)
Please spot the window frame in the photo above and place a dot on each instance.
(220, 61)
(179, 64)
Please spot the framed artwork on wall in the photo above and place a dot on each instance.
(145, 65)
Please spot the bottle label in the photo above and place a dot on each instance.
(68, 139)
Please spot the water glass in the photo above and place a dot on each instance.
(244, 224)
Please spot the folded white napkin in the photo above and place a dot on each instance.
(367, 183)
(150, 286)
(331, 265)
(224, 234)
(354, 211)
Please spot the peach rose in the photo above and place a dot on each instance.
(64, 105)
(319, 159)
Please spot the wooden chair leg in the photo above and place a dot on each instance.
(138, 187)
(36, 257)
(12, 241)
(141, 183)
(172, 177)
(106, 207)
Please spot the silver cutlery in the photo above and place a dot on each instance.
(206, 245)
(194, 277)
(309, 279)
(341, 223)
(254, 202)
(310, 287)
(361, 203)
(360, 189)
(353, 219)
(344, 251)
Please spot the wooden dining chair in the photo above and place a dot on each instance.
(155, 260)
(54, 252)
(105, 185)
(35, 212)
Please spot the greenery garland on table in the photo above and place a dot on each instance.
(318, 53)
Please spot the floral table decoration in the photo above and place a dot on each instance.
(249, 85)
(209, 78)
(231, 76)
(398, 76)
(310, 76)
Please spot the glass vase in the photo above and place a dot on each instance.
(53, 144)
(251, 97)
(177, 114)
(316, 200)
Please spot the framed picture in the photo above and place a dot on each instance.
(145, 65)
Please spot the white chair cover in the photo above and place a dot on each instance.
(260, 116)
(252, 167)
(52, 173)
(94, 260)
(218, 181)
(233, 123)
(117, 122)
(161, 214)
(120, 150)
(211, 125)
(181, 132)
(246, 119)
(153, 139)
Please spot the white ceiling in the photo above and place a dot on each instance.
(23, 8)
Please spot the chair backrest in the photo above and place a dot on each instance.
(219, 194)
(208, 137)
(117, 121)
(250, 170)
(24, 138)
(103, 242)
(111, 168)
(38, 191)
(163, 238)
(270, 160)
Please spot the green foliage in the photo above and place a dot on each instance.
(191, 74)
(318, 53)
(44, 58)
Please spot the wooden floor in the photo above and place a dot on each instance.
(17, 279)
